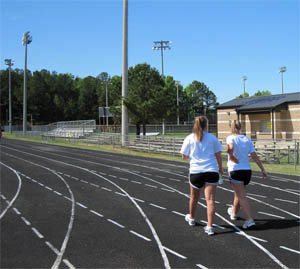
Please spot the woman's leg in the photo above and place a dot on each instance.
(236, 204)
(195, 195)
(240, 192)
(210, 194)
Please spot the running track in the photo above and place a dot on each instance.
(73, 208)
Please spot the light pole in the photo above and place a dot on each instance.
(125, 74)
(161, 45)
(282, 70)
(177, 85)
(9, 63)
(244, 78)
(26, 40)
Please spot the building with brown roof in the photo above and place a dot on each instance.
(262, 117)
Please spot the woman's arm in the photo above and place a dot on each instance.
(258, 162)
(230, 150)
(184, 157)
(219, 161)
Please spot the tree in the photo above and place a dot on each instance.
(200, 98)
(146, 95)
(244, 95)
(262, 93)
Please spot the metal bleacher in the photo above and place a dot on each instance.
(72, 129)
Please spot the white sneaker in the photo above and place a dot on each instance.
(232, 216)
(189, 220)
(248, 223)
(209, 230)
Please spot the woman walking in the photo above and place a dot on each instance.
(204, 151)
(239, 169)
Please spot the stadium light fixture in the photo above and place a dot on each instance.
(27, 39)
(282, 70)
(9, 63)
(161, 45)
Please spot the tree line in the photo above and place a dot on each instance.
(56, 97)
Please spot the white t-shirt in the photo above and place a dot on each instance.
(201, 154)
(242, 147)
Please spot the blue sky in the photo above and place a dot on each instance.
(213, 41)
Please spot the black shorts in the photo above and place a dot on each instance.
(240, 176)
(198, 180)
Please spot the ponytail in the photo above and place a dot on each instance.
(235, 127)
(200, 125)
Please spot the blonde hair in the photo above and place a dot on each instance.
(236, 127)
(200, 124)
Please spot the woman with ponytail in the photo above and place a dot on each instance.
(204, 151)
(239, 169)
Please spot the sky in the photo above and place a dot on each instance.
(213, 41)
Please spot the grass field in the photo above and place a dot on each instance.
(282, 168)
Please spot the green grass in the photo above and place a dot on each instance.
(283, 168)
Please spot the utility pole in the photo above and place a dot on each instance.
(244, 78)
(125, 74)
(177, 85)
(27, 39)
(9, 63)
(161, 45)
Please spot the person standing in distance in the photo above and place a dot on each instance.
(239, 169)
(204, 151)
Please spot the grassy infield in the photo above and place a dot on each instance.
(282, 168)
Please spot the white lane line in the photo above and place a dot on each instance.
(55, 250)
(151, 186)
(67, 175)
(105, 189)
(288, 201)
(3, 197)
(48, 188)
(58, 193)
(37, 232)
(175, 253)
(201, 266)
(292, 190)
(81, 205)
(177, 213)
(112, 176)
(17, 211)
(173, 179)
(262, 196)
(104, 174)
(95, 185)
(147, 174)
(276, 188)
(124, 178)
(116, 223)
(67, 263)
(41, 184)
(139, 200)
(68, 198)
(122, 194)
(96, 213)
(75, 178)
(139, 235)
(167, 190)
(34, 180)
(157, 206)
(136, 182)
(160, 177)
(81, 180)
(26, 221)
(271, 215)
(289, 249)
(253, 237)
(17, 193)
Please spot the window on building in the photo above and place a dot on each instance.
(266, 126)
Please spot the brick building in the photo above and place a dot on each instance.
(262, 117)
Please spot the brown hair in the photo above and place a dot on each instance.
(200, 124)
(235, 127)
